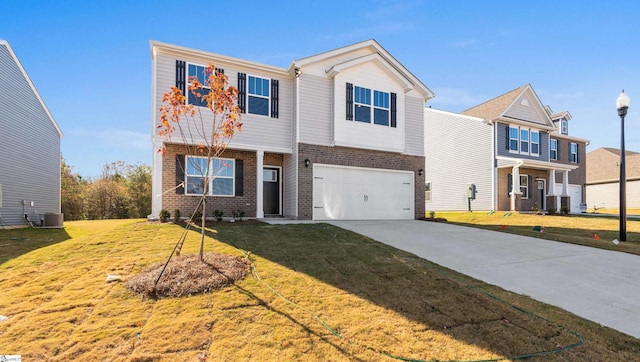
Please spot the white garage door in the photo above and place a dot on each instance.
(575, 192)
(355, 193)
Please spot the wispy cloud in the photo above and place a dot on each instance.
(455, 99)
(117, 138)
(462, 43)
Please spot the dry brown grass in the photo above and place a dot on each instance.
(187, 275)
(379, 301)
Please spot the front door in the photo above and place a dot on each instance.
(271, 190)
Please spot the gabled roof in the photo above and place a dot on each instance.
(378, 54)
(31, 85)
(519, 106)
(616, 151)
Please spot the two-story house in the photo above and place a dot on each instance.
(511, 150)
(338, 135)
(29, 149)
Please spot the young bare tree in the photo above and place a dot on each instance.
(204, 130)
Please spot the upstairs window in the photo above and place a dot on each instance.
(573, 152)
(564, 126)
(524, 141)
(362, 104)
(553, 149)
(258, 96)
(535, 143)
(371, 106)
(195, 96)
(513, 139)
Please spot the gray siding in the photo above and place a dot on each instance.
(30, 148)
(458, 152)
(414, 126)
(316, 113)
(503, 151)
(258, 132)
(528, 112)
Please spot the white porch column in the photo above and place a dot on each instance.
(515, 182)
(259, 181)
(552, 183)
(565, 183)
(156, 180)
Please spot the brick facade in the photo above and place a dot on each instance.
(345, 156)
(172, 200)
(534, 198)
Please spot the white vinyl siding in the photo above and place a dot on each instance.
(458, 152)
(608, 195)
(414, 126)
(30, 148)
(316, 117)
(258, 132)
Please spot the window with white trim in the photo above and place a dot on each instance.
(258, 95)
(198, 72)
(220, 172)
(524, 186)
(553, 149)
(573, 149)
(427, 192)
(513, 139)
(564, 126)
(371, 106)
(524, 140)
(535, 143)
(362, 104)
(381, 108)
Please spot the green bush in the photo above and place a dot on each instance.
(164, 215)
(176, 215)
(218, 214)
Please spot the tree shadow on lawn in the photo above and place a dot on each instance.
(439, 299)
(17, 242)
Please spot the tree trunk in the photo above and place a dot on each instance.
(204, 220)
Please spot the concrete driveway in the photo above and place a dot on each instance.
(599, 285)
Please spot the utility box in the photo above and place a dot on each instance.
(471, 191)
(53, 219)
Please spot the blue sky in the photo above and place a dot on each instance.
(90, 59)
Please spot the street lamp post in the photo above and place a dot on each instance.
(622, 103)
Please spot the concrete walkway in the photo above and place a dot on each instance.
(599, 285)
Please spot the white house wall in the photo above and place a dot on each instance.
(258, 132)
(316, 116)
(608, 195)
(364, 135)
(414, 126)
(458, 152)
(29, 147)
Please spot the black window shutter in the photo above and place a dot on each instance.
(180, 174)
(569, 152)
(274, 98)
(508, 137)
(509, 183)
(239, 178)
(180, 76)
(577, 153)
(394, 117)
(349, 102)
(558, 142)
(242, 92)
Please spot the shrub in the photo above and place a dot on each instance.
(564, 210)
(218, 214)
(164, 215)
(238, 215)
(552, 211)
(176, 215)
(432, 214)
(197, 217)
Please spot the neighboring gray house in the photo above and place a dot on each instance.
(515, 152)
(337, 135)
(29, 147)
(603, 178)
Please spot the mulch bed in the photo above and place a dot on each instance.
(187, 275)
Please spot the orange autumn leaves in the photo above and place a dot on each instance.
(217, 96)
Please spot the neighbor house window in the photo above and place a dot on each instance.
(258, 96)
(553, 149)
(524, 186)
(524, 141)
(513, 139)
(573, 152)
(195, 96)
(427, 192)
(220, 172)
(371, 106)
(535, 143)
(564, 126)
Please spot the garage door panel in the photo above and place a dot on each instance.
(354, 193)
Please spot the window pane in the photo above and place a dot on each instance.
(196, 166)
(223, 168)
(534, 148)
(198, 101)
(534, 137)
(362, 113)
(223, 186)
(258, 105)
(553, 155)
(524, 135)
(265, 87)
(195, 185)
(381, 117)
(513, 145)
(252, 85)
(381, 99)
(513, 133)
(362, 95)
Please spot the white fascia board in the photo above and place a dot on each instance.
(376, 58)
(32, 86)
(208, 56)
